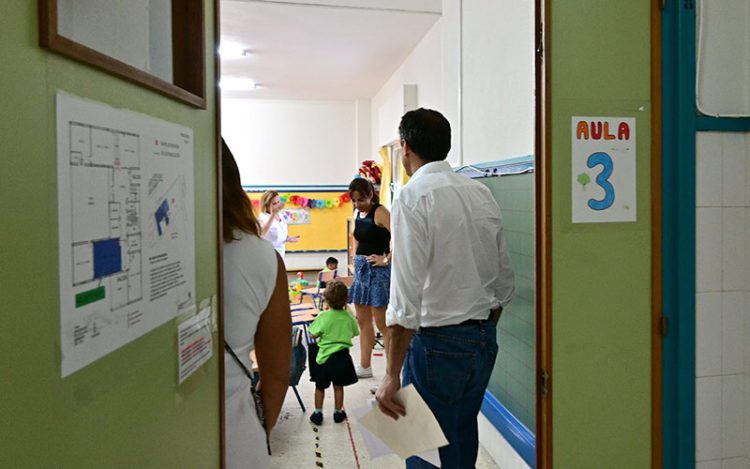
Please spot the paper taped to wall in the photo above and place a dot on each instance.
(126, 226)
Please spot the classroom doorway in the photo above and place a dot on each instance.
(311, 90)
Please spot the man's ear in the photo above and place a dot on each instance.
(405, 158)
(407, 148)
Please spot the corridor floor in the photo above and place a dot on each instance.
(340, 445)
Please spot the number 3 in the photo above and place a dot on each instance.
(601, 158)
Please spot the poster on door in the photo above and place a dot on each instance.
(603, 186)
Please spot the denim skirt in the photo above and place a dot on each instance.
(372, 285)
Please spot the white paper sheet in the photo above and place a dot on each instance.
(375, 446)
(195, 343)
(126, 226)
(413, 434)
(603, 169)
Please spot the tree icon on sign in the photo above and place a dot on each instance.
(583, 179)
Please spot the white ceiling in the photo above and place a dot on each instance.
(321, 49)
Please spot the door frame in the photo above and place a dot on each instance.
(681, 121)
(543, 237)
(657, 323)
(219, 227)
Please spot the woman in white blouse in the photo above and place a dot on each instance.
(273, 227)
(256, 316)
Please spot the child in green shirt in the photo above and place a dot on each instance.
(332, 265)
(332, 364)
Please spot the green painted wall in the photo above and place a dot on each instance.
(601, 282)
(512, 381)
(126, 409)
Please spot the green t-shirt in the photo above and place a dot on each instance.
(335, 328)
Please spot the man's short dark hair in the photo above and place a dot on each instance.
(427, 132)
(332, 260)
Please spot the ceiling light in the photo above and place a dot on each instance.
(237, 84)
(232, 50)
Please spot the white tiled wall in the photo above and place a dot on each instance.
(723, 301)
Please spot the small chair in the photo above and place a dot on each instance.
(316, 292)
(299, 360)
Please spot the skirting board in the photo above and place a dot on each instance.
(498, 448)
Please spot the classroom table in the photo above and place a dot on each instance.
(308, 309)
(300, 306)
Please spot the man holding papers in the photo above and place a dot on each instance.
(451, 277)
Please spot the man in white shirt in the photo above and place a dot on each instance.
(451, 277)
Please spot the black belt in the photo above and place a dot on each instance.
(493, 318)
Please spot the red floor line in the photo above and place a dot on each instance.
(354, 447)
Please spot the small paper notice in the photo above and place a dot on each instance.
(195, 345)
(418, 433)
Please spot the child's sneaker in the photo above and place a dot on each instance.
(317, 417)
(338, 416)
(363, 372)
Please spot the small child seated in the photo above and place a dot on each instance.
(330, 361)
(332, 265)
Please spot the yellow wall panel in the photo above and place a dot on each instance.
(327, 228)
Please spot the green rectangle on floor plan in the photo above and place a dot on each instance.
(90, 296)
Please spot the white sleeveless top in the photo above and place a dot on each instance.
(277, 233)
(250, 269)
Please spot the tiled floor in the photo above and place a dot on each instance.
(294, 439)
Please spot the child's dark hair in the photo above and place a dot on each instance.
(332, 260)
(336, 294)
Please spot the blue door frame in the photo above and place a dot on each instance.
(680, 122)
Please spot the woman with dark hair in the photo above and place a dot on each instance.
(273, 227)
(256, 316)
(372, 270)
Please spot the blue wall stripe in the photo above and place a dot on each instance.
(514, 432)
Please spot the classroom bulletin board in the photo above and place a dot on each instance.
(327, 228)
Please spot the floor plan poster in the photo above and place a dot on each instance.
(127, 254)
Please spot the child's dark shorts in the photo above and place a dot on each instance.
(338, 369)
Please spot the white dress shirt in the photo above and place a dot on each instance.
(277, 233)
(450, 261)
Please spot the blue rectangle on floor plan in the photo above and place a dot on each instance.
(107, 257)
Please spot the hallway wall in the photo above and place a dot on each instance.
(292, 142)
(422, 68)
(722, 300)
(126, 409)
(497, 84)
(476, 67)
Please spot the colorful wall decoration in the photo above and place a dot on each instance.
(302, 201)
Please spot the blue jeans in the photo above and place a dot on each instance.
(450, 367)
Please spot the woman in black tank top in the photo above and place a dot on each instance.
(372, 268)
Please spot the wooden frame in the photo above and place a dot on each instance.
(657, 445)
(220, 229)
(543, 240)
(188, 52)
